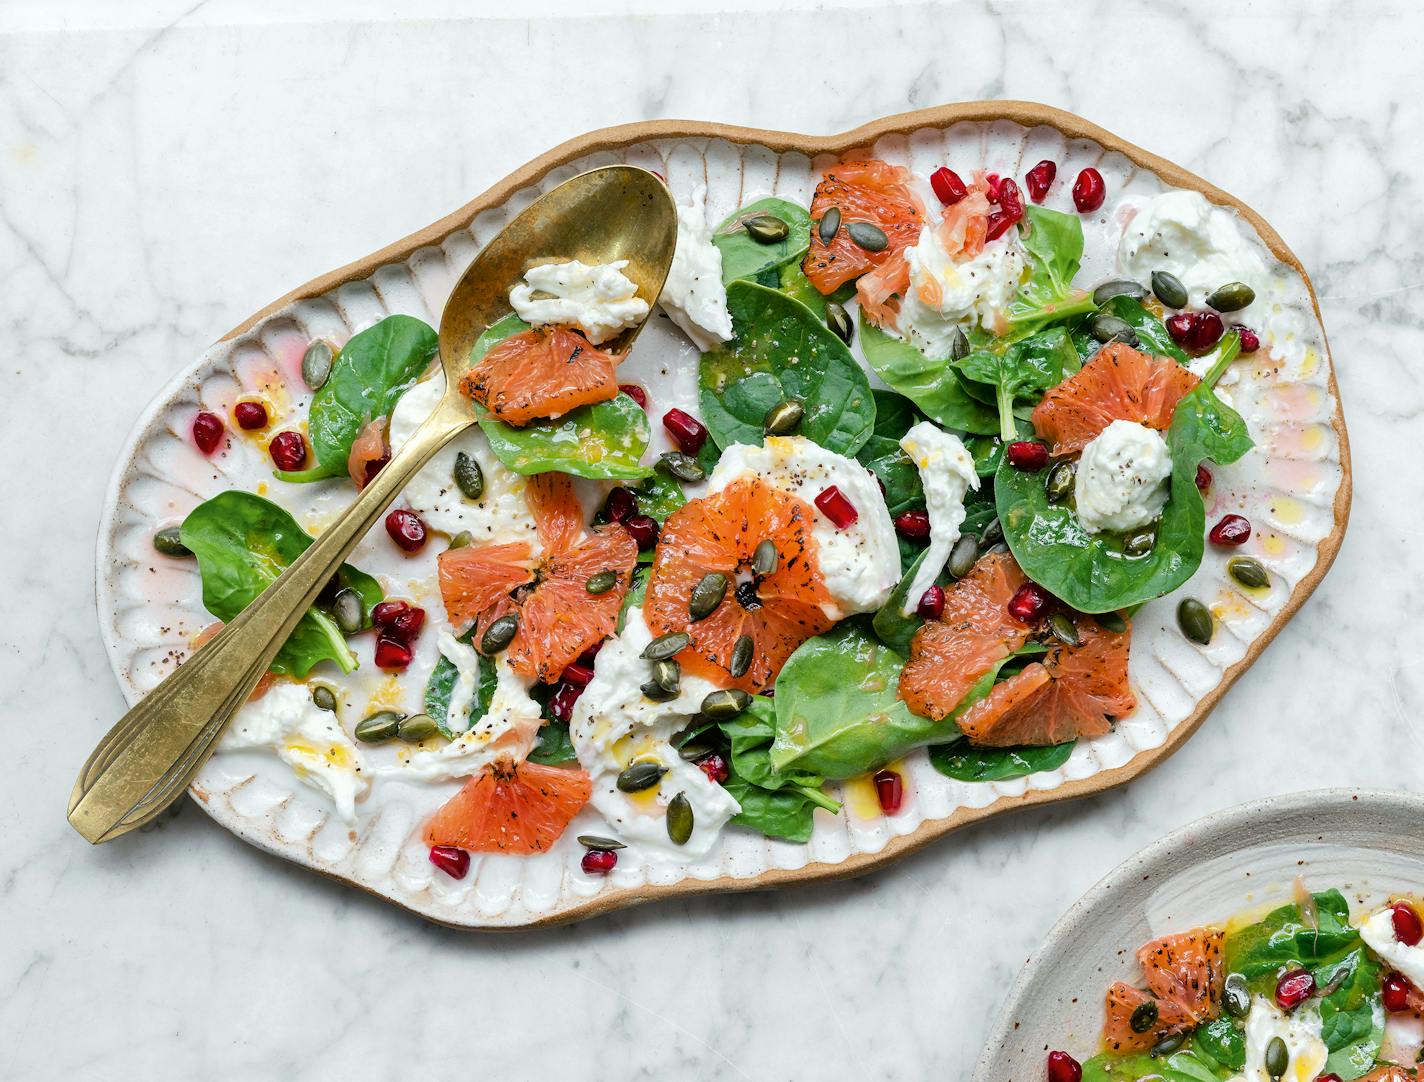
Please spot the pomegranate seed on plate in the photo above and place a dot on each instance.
(931, 604)
(948, 188)
(405, 626)
(288, 451)
(1407, 927)
(1180, 326)
(992, 181)
(586, 658)
(1064, 1068)
(620, 505)
(686, 430)
(385, 613)
(837, 508)
(1203, 479)
(207, 431)
(644, 529)
(914, 524)
(1089, 191)
(250, 415)
(1028, 603)
(561, 703)
(889, 790)
(375, 466)
(1394, 993)
(715, 767)
(406, 529)
(577, 673)
(1027, 455)
(391, 654)
(1039, 179)
(1250, 340)
(599, 861)
(1231, 530)
(1196, 332)
(636, 393)
(1294, 988)
(453, 862)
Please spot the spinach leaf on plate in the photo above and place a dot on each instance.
(555, 747)
(1221, 1043)
(1188, 1065)
(963, 762)
(743, 256)
(890, 624)
(1352, 1015)
(932, 385)
(659, 496)
(1284, 938)
(792, 281)
(779, 805)
(1053, 242)
(1152, 336)
(1021, 372)
(440, 687)
(883, 456)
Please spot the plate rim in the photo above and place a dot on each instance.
(1025, 113)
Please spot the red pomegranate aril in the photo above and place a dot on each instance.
(636, 393)
(391, 654)
(375, 466)
(250, 415)
(1039, 179)
(406, 529)
(599, 861)
(644, 529)
(1294, 988)
(621, 505)
(1207, 330)
(578, 674)
(1028, 603)
(1250, 340)
(1203, 479)
(1394, 993)
(1010, 198)
(288, 451)
(1231, 530)
(1027, 455)
(208, 431)
(1407, 927)
(837, 508)
(686, 430)
(405, 626)
(715, 767)
(1180, 327)
(948, 188)
(931, 603)
(1089, 191)
(914, 524)
(385, 613)
(453, 862)
(586, 658)
(561, 703)
(889, 790)
(1064, 1068)
(992, 182)
(999, 222)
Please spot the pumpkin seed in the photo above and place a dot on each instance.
(1232, 297)
(599, 842)
(1108, 328)
(681, 467)
(783, 418)
(765, 558)
(695, 748)
(417, 727)
(1064, 629)
(742, 651)
(1168, 289)
(838, 319)
(468, 476)
(499, 634)
(379, 727)
(993, 533)
(316, 364)
(963, 556)
(1194, 619)
(766, 228)
(1140, 542)
(725, 705)
(707, 595)
(643, 774)
(830, 225)
(1111, 621)
(324, 698)
(667, 645)
(169, 541)
(679, 819)
(1238, 996)
(652, 690)
(1167, 1045)
(348, 611)
(461, 540)
(1144, 1016)
(958, 345)
(1118, 287)
(868, 236)
(667, 674)
(1277, 1058)
(602, 582)
(1248, 572)
(1061, 479)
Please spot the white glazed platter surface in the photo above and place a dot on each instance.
(1294, 488)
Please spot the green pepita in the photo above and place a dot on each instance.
(1231, 297)
(1140, 542)
(468, 476)
(707, 595)
(742, 652)
(1237, 996)
(1108, 328)
(1195, 620)
(667, 674)
(838, 320)
(679, 819)
(463, 539)
(993, 533)
(726, 704)
(1064, 629)
(1277, 1058)
(667, 645)
(324, 698)
(643, 774)
(766, 228)
(1168, 289)
(868, 235)
(1061, 479)
(348, 611)
(964, 555)
(1248, 572)
(695, 749)
(783, 418)
(379, 727)
(652, 690)
(1144, 1016)
(765, 558)
(681, 467)
(499, 634)
(316, 364)
(1111, 621)
(958, 345)
(416, 728)
(1167, 1045)
(169, 541)
(602, 582)
(829, 226)
(599, 842)
(1118, 287)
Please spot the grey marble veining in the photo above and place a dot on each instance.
(167, 170)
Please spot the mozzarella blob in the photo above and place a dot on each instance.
(1301, 1033)
(947, 474)
(599, 299)
(946, 295)
(1378, 933)
(1121, 480)
(693, 295)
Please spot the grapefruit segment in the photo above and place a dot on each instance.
(1185, 974)
(368, 450)
(475, 577)
(510, 807)
(863, 191)
(558, 515)
(1118, 384)
(541, 372)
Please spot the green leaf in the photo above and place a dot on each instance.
(369, 375)
(743, 256)
(1021, 372)
(659, 496)
(933, 386)
(891, 625)
(965, 763)
(882, 455)
(1283, 938)
(440, 686)
(780, 351)
(554, 748)
(1184, 1066)
(1222, 1044)
(1053, 242)
(792, 281)
(634, 597)
(779, 805)
(1152, 336)
(1352, 1016)
(242, 543)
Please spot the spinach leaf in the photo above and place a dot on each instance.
(1152, 336)
(243, 543)
(634, 597)
(775, 804)
(934, 386)
(554, 748)
(743, 256)
(440, 686)
(1222, 1044)
(780, 351)
(1022, 372)
(1053, 242)
(1184, 1066)
(1352, 1015)
(792, 281)
(838, 713)
(1283, 938)
(966, 763)
(890, 624)
(883, 456)
(369, 375)
(659, 496)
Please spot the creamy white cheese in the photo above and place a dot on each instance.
(947, 473)
(861, 563)
(1301, 1033)
(945, 294)
(467, 678)
(600, 299)
(614, 725)
(501, 513)
(305, 737)
(693, 295)
(1378, 934)
(1121, 478)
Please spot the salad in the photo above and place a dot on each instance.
(932, 469)
(1306, 991)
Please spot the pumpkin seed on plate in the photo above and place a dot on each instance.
(1248, 571)
(469, 478)
(316, 364)
(1277, 1058)
(868, 236)
(707, 595)
(602, 582)
(667, 645)
(1238, 996)
(1061, 479)
(726, 704)
(679, 819)
(599, 842)
(993, 533)
(681, 467)
(830, 224)
(1195, 620)
(963, 556)
(324, 698)
(1118, 287)
(461, 540)
(958, 345)
(667, 674)
(378, 727)
(766, 228)
(1108, 328)
(1064, 629)
(643, 774)
(1168, 289)
(764, 558)
(1144, 1016)
(1140, 542)
(416, 728)
(348, 611)
(1231, 297)
(742, 652)
(838, 320)
(1111, 621)
(652, 690)
(499, 634)
(1167, 1045)
(169, 541)
(783, 418)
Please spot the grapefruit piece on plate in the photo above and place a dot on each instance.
(779, 611)
(869, 192)
(510, 807)
(1185, 974)
(1118, 384)
(475, 577)
(541, 372)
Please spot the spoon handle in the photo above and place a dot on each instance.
(146, 761)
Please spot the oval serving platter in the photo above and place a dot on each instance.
(1231, 861)
(1295, 488)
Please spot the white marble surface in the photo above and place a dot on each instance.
(167, 168)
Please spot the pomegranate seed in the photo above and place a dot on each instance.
(586, 658)
(1206, 332)
(1407, 928)
(1064, 1068)
(1027, 455)
(686, 430)
(620, 505)
(1028, 603)
(1250, 340)
(931, 605)
(1089, 191)
(914, 524)
(453, 862)
(715, 767)
(406, 529)
(1039, 179)
(837, 508)
(375, 466)
(636, 393)
(1231, 530)
(207, 431)
(644, 529)
(391, 654)
(890, 790)
(561, 703)
(288, 451)
(1395, 993)
(1010, 198)
(999, 223)
(599, 861)
(947, 186)
(578, 674)
(1294, 988)
(1203, 479)
(385, 613)
(405, 626)
(992, 182)
(1180, 326)
(250, 415)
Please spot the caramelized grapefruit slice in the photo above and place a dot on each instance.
(863, 191)
(541, 372)
(510, 807)
(1185, 974)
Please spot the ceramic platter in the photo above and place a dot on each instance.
(1295, 488)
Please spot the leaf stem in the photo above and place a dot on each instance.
(820, 799)
(1230, 349)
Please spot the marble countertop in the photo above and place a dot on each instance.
(168, 168)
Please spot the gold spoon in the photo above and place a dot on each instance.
(148, 758)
